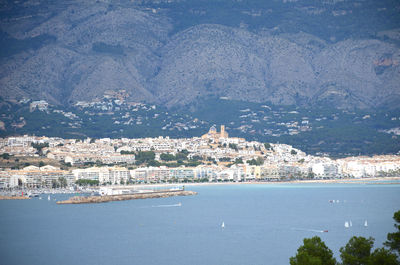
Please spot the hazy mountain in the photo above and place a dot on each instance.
(340, 53)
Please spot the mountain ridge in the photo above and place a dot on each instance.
(92, 48)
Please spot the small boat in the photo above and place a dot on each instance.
(223, 225)
(346, 224)
(351, 224)
(325, 231)
(48, 198)
(365, 223)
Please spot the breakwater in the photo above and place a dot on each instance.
(124, 197)
(14, 198)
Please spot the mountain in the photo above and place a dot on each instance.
(343, 54)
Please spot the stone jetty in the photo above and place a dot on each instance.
(124, 197)
(14, 198)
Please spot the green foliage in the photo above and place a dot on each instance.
(238, 161)
(256, 162)
(225, 159)
(313, 252)
(356, 251)
(39, 147)
(393, 239)
(196, 158)
(144, 157)
(5, 156)
(346, 134)
(127, 152)
(61, 182)
(41, 164)
(153, 163)
(233, 146)
(167, 157)
(293, 152)
(11, 46)
(181, 156)
(268, 146)
(87, 182)
(382, 256)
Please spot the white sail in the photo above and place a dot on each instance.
(351, 224)
(346, 224)
(48, 197)
(223, 225)
(365, 223)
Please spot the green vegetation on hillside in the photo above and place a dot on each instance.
(356, 252)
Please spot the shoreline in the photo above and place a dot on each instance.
(375, 180)
(367, 181)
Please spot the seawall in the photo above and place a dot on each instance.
(108, 198)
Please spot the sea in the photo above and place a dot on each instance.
(263, 224)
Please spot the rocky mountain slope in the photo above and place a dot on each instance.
(77, 51)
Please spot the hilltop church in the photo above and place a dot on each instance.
(213, 134)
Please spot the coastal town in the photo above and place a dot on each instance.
(213, 157)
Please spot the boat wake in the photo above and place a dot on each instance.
(309, 230)
(167, 205)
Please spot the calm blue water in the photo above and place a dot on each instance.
(264, 224)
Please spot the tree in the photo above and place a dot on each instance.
(54, 184)
(357, 251)
(238, 161)
(5, 156)
(393, 239)
(293, 152)
(63, 182)
(256, 162)
(382, 256)
(39, 147)
(313, 252)
(233, 146)
(87, 182)
(41, 164)
(268, 146)
(167, 157)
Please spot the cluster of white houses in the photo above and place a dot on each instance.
(278, 161)
(35, 177)
(45, 176)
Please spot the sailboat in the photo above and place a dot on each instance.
(351, 224)
(346, 224)
(48, 197)
(365, 223)
(223, 225)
